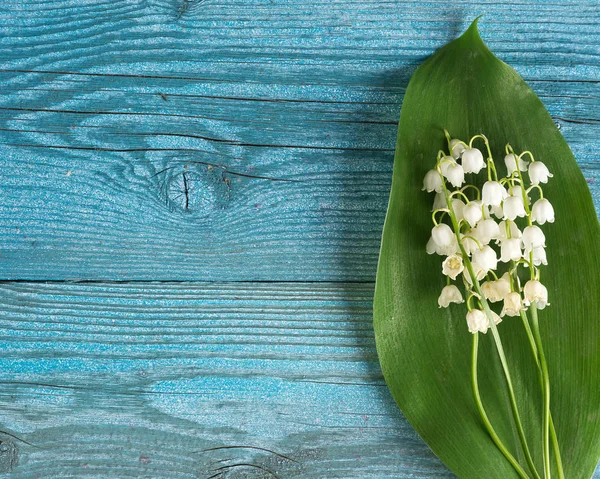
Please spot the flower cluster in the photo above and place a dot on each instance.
(489, 228)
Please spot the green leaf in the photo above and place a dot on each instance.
(425, 351)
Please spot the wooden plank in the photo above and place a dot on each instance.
(106, 181)
(178, 380)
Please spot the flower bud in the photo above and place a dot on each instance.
(472, 213)
(512, 305)
(536, 294)
(533, 237)
(432, 181)
(510, 250)
(510, 161)
(477, 322)
(493, 193)
(453, 266)
(456, 148)
(542, 211)
(486, 258)
(513, 208)
(442, 234)
(538, 173)
(455, 174)
(450, 294)
(472, 160)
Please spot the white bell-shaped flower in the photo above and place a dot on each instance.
(510, 161)
(538, 173)
(497, 319)
(488, 288)
(453, 266)
(455, 174)
(510, 250)
(513, 305)
(477, 322)
(450, 294)
(492, 193)
(497, 211)
(472, 213)
(442, 234)
(432, 181)
(445, 163)
(542, 212)
(515, 232)
(458, 206)
(503, 285)
(469, 244)
(539, 256)
(535, 293)
(513, 208)
(533, 237)
(439, 202)
(472, 160)
(456, 148)
(518, 191)
(486, 231)
(486, 258)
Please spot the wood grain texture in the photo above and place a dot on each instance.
(118, 380)
(201, 140)
(240, 141)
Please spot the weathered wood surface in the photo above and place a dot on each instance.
(120, 380)
(201, 141)
(237, 141)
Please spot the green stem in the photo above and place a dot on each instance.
(546, 389)
(553, 437)
(488, 425)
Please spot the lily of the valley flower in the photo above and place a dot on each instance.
(486, 231)
(538, 173)
(513, 208)
(533, 237)
(432, 182)
(478, 322)
(513, 305)
(442, 234)
(497, 290)
(472, 213)
(510, 250)
(542, 212)
(453, 266)
(450, 294)
(510, 161)
(486, 258)
(493, 193)
(535, 293)
(539, 256)
(456, 147)
(455, 174)
(472, 160)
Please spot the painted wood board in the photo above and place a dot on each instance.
(241, 141)
(211, 141)
(149, 380)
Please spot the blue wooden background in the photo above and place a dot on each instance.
(191, 200)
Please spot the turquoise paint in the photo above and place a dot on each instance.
(243, 143)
